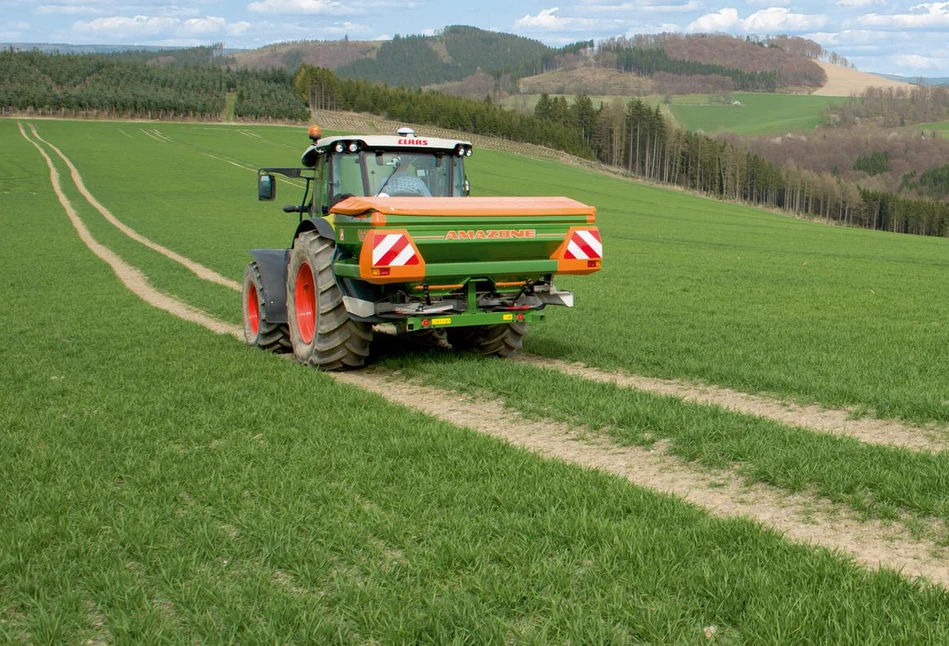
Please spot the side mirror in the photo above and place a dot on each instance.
(467, 188)
(266, 188)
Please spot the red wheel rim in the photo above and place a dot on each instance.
(304, 301)
(253, 310)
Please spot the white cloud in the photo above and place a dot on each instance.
(125, 28)
(691, 5)
(605, 8)
(919, 63)
(650, 6)
(722, 20)
(775, 19)
(665, 28)
(928, 16)
(238, 28)
(770, 20)
(302, 7)
(158, 30)
(66, 10)
(345, 28)
(175, 11)
(859, 4)
(202, 26)
(548, 20)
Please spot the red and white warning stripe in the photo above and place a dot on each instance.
(584, 244)
(393, 250)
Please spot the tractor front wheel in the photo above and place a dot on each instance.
(321, 331)
(258, 331)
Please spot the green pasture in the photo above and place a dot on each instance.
(942, 127)
(757, 114)
(162, 484)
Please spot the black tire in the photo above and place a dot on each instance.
(503, 340)
(258, 331)
(321, 331)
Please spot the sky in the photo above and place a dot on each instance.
(883, 36)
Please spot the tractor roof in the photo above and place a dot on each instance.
(389, 141)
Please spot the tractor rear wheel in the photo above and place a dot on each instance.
(503, 340)
(321, 331)
(258, 331)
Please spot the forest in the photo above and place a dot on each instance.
(457, 53)
(891, 107)
(649, 61)
(127, 86)
(761, 66)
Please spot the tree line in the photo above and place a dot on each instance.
(457, 53)
(647, 61)
(891, 107)
(786, 59)
(127, 86)
(323, 90)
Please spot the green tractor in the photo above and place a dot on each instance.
(388, 234)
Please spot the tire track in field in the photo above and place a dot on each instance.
(196, 268)
(158, 135)
(131, 277)
(724, 494)
(798, 517)
(833, 421)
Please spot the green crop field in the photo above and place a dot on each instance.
(942, 127)
(164, 484)
(757, 114)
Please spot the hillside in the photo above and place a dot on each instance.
(844, 81)
(457, 53)
(587, 80)
(331, 54)
(666, 63)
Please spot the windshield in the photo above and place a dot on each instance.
(397, 174)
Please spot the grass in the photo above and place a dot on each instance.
(162, 484)
(698, 289)
(758, 114)
(876, 480)
(692, 288)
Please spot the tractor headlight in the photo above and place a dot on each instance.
(353, 146)
(338, 147)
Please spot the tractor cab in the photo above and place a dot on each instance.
(404, 165)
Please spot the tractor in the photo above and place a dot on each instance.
(389, 238)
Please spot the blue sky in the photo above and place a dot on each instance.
(876, 35)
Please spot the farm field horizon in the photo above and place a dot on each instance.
(167, 484)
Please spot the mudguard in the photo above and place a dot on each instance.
(319, 225)
(273, 265)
